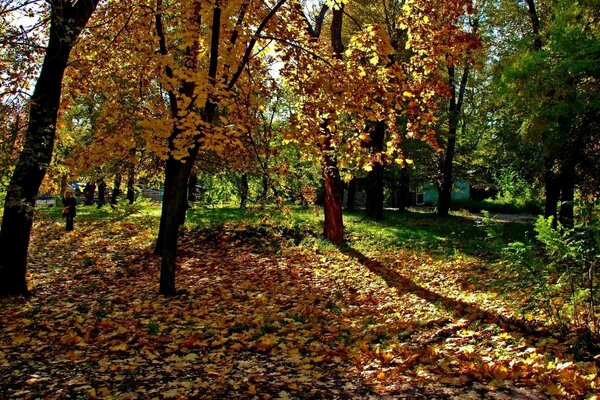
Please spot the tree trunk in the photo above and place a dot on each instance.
(265, 188)
(404, 190)
(66, 22)
(552, 189)
(192, 187)
(64, 184)
(454, 110)
(375, 177)
(244, 191)
(334, 190)
(333, 197)
(567, 196)
(173, 207)
(131, 183)
(177, 173)
(351, 197)
(116, 189)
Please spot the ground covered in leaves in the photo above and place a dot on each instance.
(270, 313)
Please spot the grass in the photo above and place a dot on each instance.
(406, 303)
(416, 230)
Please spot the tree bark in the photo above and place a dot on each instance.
(351, 195)
(334, 192)
(66, 23)
(404, 190)
(173, 207)
(567, 195)
(535, 25)
(333, 197)
(244, 191)
(454, 110)
(374, 206)
(116, 189)
(131, 183)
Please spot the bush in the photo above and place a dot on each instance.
(557, 270)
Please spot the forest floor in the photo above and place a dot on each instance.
(408, 308)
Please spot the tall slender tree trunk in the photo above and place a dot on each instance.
(116, 189)
(375, 199)
(567, 194)
(131, 183)
(244, 189)
(333, 197)
(265, 188)
(456, 102)
(552, 189)
(334, 191)
(351, 195)
(404, 190)
(66, 22)
(177, 172)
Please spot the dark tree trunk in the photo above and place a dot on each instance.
(333, 198)
(374, 185)
(131, 183)
(88, 192)
(552, 189)
(66, 22)
(192, 186)
(116, 189)
(567, 195)
(445, 189)
(351, 195)
(101, 193)
(244, 191)
(535, 25)
(454, 110)
(334, 190)
(265, 188)
(173, 207)
(404, 190)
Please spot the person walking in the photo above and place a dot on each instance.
(69, 210)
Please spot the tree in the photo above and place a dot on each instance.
(67, 20)
(559, 79)
(457, 89)
(195, 89)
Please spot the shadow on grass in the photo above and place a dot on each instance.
(428, 232)
(460, 309)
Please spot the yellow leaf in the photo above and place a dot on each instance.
(252, 389)
(20, 339)
(381, 376)
(554, 390)
(119, 347)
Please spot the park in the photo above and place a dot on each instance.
(300, 199)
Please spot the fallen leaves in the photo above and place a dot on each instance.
(258, 319)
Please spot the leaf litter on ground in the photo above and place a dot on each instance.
(262, 314)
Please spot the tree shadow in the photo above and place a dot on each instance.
(460, 309)
(422, 231)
